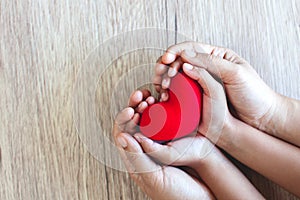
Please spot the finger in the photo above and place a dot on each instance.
(178, 153)
(150, 100)
(157, 82)
(131, 126)
(216, 65)
(164, 95)
(164, 154)
(174, 51)
(163, 92)
(198, 47)
(210, 86)
(227, 54)
(166, 81)
(160, 69)
(141, 107)
(161, 83)
(135, 98)
(174, 67)
(136, 161)
(122, 118)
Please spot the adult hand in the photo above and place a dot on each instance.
(254, 102)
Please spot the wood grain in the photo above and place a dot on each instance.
(43, 44)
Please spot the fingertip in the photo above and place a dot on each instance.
(125, 115)
(150, 100)
(135, 98)
(138, 95)
(128, 143)
(164, 96)
(160, 68)
(165, 82)
(187, 67)
(172, 72)
(129, 111)
(136, 118)
(145, 142)
(168, 58)
(142, 106)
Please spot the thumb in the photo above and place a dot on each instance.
(211, 87)
(184, 152)
(216, 65)
(215, 105)
(132, 154)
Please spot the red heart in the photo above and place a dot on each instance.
(177, 117)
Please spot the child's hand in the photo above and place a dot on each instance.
(254, 102)
(156, 181)
(199, 153)
(218, 173)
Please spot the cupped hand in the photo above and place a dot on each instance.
(158, 182)
(198, 153)
(253, 101)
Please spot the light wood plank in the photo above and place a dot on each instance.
(43, 44)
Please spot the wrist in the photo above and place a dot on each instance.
(227, 136)
(274, 120)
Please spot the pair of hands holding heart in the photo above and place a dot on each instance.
(158, 168)
(166, 180)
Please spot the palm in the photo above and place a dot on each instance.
(171, 183)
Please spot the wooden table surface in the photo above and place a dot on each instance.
(43, 45)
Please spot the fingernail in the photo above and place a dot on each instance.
(164, 96)
(150, 100)
(190, 53)
(172, 72)
(165, 83)
(122, 142)
(188, 66)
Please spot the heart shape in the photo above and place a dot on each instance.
(177, 117)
